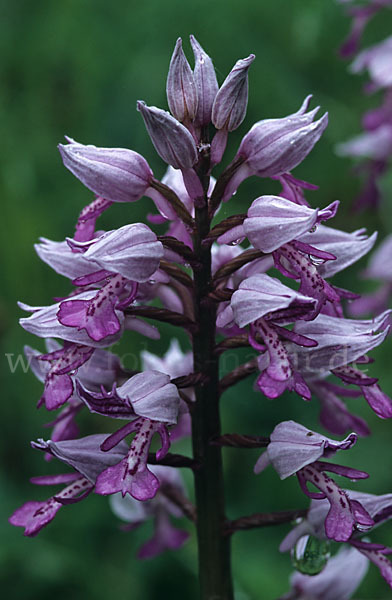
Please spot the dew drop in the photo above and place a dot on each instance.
(316, 261)
(310, 555)
(236, 242)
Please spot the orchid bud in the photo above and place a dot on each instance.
(205, 82)
(275, 146)
(116, 174)
(173, 142)
(231, 100)
(180, 86)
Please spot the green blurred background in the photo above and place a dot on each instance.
(77, 67)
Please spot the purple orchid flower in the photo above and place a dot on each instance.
(378, 507)
(60, 364)
(172, 141)
(86, 458)
(159, 508)
(273, 221)
(150, 402)
(133, 251)
(342, 342)
(131, 475)
(64, 425)
(98, 315)
(149, 395)
(276, 225)
(265, 303)
(294, 449)
(261, 296)
(120, 259)
(374, 118)
(208, 288)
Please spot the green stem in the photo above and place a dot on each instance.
(213, 545)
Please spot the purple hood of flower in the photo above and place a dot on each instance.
(273, 221)
(258, 296)
(85, 454)
(340, 342)
(294, 446)
(152, 396)
(148, 394)
(132, 250)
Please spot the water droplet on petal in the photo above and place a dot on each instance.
(310, 555)
(236, 242)
(316, 261)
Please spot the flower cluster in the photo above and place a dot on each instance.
(263, 279)
(379, 269)
(374, 146)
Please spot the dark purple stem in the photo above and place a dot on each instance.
(213, 544)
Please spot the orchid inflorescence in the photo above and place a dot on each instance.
(263, 280)
(373, 147)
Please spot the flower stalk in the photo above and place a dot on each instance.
(213, 545)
